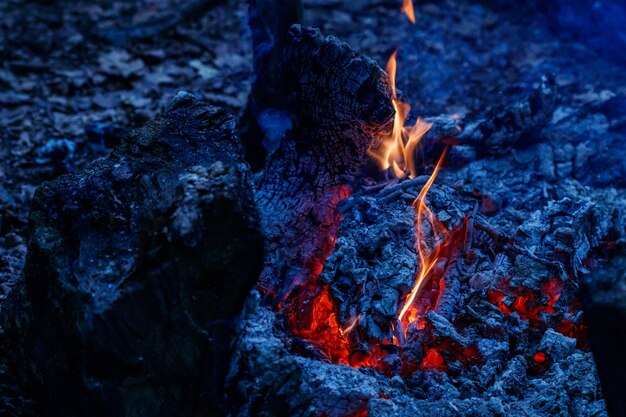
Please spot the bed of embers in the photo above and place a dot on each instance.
(451, 286)
(427, 228)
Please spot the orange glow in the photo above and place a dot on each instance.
(312, 317)
(427, 260)
(407, 9)
(315, 320)
(397, 150)
(528, 304)
(433, 360)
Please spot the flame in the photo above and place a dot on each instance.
(397, 150)
(351, 326)
(407, 9)
(427, 261)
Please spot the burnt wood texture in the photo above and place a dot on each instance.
(604, 296)
(136, 272)
(338, 103)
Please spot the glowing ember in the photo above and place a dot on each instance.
(537, 306)
(311, 312)
(433, 360)
(540, 357)
(312, 317)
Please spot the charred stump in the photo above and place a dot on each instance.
(136, 272)
(335, 103)
(270, 21)
(604, 299)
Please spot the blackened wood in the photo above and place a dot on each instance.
(270, 21)
(604, 302)
(506, 127)
(136, 272)
(339, 103)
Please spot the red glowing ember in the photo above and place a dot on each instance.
(540, 357)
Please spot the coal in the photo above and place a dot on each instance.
(136, 272)
(501, 329)
(531, 190)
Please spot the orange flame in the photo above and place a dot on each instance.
(351, 326)
(427, 261)
(397, 150)
(407, 8)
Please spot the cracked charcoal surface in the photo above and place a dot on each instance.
(543, 211)
(555, 189)
(338, 101)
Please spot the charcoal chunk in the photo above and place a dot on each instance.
(604, 302)
(136, 272)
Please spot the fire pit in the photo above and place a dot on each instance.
(354, 244)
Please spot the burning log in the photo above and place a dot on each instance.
(134, 278)
(338, 103)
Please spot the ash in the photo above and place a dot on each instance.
(536, 201)
(532, 190)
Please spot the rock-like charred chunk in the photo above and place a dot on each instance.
(604, 293)
(135, 270)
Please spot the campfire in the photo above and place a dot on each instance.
(311, 311)
(332, 252)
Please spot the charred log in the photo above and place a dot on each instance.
(337, 103)
(604, 292)
(134, 276)
(269, 23)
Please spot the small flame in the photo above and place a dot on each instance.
(398, 149)
(407, 9)
(350, 327)
(427, 261)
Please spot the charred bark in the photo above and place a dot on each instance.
(604, 293)
(270, 21)
(136, 272)
(337, 102)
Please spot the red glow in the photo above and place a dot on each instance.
(540, 357)
(360, 413)
(531, 305)
(433, 360)
(314, 320)
(577, 331)
(528, 304)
